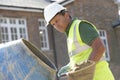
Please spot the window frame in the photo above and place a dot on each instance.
(103, 36)
(43, 35)
(12, 24)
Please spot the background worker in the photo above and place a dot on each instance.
(83, 41)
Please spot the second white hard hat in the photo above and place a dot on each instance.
(51, 10)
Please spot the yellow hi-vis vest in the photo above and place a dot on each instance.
(78, 51)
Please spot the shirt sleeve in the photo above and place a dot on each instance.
(87, 32)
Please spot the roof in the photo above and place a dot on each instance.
(30, 5)
(25, 3)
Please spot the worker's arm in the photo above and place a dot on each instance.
(98, 50)
(90, 36)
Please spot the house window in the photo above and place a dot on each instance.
(103, 36)
(12, 29)
(43, 35)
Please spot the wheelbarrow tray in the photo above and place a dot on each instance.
(21, 60)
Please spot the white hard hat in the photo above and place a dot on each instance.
(51, 10)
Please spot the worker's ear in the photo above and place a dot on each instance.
(66, 15)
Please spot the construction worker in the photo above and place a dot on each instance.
(83, 41)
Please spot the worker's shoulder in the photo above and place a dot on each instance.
(85, 22)
(85, 25)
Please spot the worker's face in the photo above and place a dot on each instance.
(60, 22)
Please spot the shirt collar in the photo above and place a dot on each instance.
(68, 27)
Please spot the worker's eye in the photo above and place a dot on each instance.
(56, 21)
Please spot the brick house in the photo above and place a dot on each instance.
(20, 19)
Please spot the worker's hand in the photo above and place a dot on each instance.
(63, 71)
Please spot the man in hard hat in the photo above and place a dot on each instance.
(83, 41)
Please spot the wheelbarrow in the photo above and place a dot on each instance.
(21, 60)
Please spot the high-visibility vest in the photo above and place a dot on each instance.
(78, 51)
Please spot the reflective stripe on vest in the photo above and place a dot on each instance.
(79, 48)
